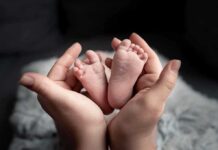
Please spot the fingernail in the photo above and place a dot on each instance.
(26, 80)
(175, 65)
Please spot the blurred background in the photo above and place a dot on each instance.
(31, 30)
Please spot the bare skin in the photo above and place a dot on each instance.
(152, 68)
(143, 111)
(91, 74)
(135, 125)
(128, 63)
(78, 118)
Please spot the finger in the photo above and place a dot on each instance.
(108, 62)
(146, 81)
(52, 97)
(72, 81)
(41, 85)
(115, 43)
(153, 65)
(166, 82)
(62, 65)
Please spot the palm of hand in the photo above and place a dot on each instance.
(67, 102)
(78, 118)
(138, 113)
(84, 108)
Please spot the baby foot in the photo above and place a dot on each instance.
(91, 74)
(128, 63)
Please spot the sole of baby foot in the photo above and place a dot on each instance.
(127, 65)
(91, 74)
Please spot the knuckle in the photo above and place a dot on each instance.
(153, 78)
(147, 81)
(169, 84)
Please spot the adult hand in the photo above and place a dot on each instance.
(136, 122)
(76, 116)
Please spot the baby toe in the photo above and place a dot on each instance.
(140, 51)
(132, 45)
(135, 49)
(124, 45)
(92, 56)
(78, 63)
(78, 72)
(143, 56)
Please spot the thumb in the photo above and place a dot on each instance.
(42, 85)
(167, 80)
(115, 43)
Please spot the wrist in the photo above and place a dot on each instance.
(83, 138)
(93, 138)
(131, 141)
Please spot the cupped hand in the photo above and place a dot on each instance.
(76, 116)
(136, 122)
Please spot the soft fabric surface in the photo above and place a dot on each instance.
(190, 121)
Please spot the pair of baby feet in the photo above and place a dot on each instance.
(127, 65)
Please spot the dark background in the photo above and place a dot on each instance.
(36, 29)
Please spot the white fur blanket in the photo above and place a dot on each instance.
(190, 121)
